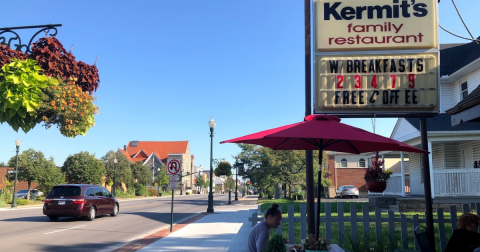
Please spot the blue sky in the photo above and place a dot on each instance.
(166, 67)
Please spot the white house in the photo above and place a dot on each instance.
(454, 150)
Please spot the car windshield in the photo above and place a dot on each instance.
(66, 191)
(349, 187)
(22, 191)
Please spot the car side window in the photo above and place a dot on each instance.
(98, 191)
(90, 192)
(106, 193)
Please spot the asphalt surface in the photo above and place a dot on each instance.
(30, 230)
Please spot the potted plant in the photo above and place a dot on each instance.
(375, 177)
(316, 244)
(276, 243)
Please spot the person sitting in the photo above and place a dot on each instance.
(466, 238)
(258, 236)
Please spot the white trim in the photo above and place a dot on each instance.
(141, 150)
(430, 161)
(402, 171)
(151, 155)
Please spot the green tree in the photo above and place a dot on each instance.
(122, 170)
(140, 172)
(223, 168)
(2, 164)
(32, 165)
(50, 176)
(163, 177)
(83, 168)
(199, 181)
(230, 183)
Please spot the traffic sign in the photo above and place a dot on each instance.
(173, 178)
(172, 185)
(173, 167)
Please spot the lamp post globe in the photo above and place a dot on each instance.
(114, 177)
(14, 199)
(211, 124)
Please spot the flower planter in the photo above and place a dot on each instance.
(376, 186)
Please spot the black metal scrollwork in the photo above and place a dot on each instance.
(14, 35)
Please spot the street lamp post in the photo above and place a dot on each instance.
(14, 200)
(114, 177)
(211, 124)
(236, 179)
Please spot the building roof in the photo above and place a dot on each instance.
(454, 57)
(141, 150)
(470, 101)
(442, 122)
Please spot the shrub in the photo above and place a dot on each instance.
(260, 195)
(139, 189)
(270, 196)
(276, 244)
(22, 202)
(151, 192)
(41, 198)
(122, 194)
(297, 196)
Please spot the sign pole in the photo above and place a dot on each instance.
(171, 215)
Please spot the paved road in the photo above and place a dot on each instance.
(29, 230)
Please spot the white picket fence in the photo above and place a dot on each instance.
(354, 219)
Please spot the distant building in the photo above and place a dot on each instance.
(156, 154)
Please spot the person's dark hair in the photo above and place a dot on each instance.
(467, 219)
(272, 211)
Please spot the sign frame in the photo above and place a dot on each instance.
(369, 113)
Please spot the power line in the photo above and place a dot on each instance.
(476, 40)
(458, 12)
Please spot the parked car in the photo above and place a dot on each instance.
(347, 190)
(22, 194)
(73, 200)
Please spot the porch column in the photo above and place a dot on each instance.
(402, 171)
(432, 184)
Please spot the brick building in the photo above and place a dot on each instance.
(347, 169)
(21, 185)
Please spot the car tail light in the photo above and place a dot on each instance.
(356, 189)
(78, 201)
(48, 200)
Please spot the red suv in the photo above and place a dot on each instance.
(79, 201)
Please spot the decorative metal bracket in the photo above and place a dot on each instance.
(15, 36)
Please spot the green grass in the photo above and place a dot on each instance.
(362, 243)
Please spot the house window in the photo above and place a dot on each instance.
(464, 88)
(343, 163)
(361, 163)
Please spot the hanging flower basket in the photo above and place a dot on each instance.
(376, 186)
(375, 177)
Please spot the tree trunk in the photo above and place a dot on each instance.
(28, 192)
(285, 192)
(290, 191)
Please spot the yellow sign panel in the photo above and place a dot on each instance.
(375, 25)
(377, 83)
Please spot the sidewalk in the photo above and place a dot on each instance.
(225, 230)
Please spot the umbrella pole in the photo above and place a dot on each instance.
(319, 184)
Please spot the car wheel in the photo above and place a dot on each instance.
(52, 218)
(356, 196)
(115, 210)
(92, 213)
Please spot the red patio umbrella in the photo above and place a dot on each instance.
(323, 132)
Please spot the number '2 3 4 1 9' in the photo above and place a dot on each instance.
(373, 83)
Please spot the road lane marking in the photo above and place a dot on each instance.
(65, 229)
